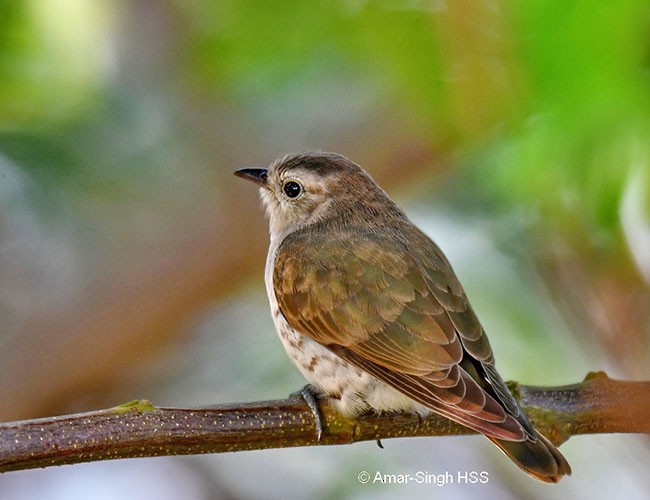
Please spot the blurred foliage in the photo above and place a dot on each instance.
(542, 108)
(548, 101)
(52, 58)
(588, 117)
(121, 122)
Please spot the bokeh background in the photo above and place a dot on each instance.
(131, 259)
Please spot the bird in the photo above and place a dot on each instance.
(371, 312)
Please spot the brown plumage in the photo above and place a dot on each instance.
(372, 313)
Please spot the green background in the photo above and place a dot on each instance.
(515, 133)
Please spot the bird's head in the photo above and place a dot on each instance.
(304, 189)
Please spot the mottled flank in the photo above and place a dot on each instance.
(371, 312)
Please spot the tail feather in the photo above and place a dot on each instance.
(537, 457)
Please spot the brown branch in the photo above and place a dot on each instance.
(596, 405)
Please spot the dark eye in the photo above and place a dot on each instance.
(292, 189)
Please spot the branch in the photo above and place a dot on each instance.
(596, 405)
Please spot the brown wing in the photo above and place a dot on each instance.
(400, 314)
(447, 290)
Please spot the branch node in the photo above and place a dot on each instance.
(594, 376)
(137, 405)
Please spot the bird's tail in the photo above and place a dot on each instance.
(537, 457)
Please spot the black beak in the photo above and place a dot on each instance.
(257, 175)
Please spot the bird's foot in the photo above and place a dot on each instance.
(310, 395)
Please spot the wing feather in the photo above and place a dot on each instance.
(397, 311)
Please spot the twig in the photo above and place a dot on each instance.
(138, 429)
